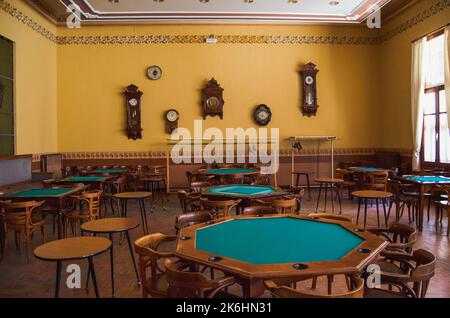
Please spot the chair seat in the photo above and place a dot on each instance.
(389, 267)
(382, 293)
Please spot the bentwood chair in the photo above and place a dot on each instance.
(185, 282)
(348, 183)
(442, 206)
(189, 201)
(285, 206)
(401, 200)
(22, 218)
(219, 208)
(197, 186)
(189, 219)
(90, 206)
(110, 189)
(259, 210)
(401, 237)
(147, 248)
(355, 284)
(411, 276)
(378, 180)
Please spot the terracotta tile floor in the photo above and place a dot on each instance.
(37, 278)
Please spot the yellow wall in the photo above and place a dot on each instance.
(395, 70)
(35, 82)
(92, 77)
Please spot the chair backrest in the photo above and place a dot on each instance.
(222, 208)
(185, 284)
(189, 219)
(285, 206)
(18, 214)
(93, 199)
(337, 217)
(357, 290)
(259, 210)
(47, 184)
(183, 197)
(343, 174)
(196, 186)
(379, 178)
(404, 236)
(261, 179)
(423, 272)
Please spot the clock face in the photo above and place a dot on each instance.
(172, 115)
(133, 102)
(154, 72)
(212, 102)
(309, 80)
(263, 115)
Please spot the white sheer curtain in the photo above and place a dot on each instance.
(417, 96)
(447, 70)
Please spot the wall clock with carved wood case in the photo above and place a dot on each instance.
(171, 118)
(309, 88)
(133, 107)
(212, 102)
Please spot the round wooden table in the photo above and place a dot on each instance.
(124, 197)
(111, 226)
(366, 195)
(329, 183)
(77, 248)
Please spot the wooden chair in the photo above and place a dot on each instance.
(189, 201)
(348, 183)
(189, 219)
(337, 217)
(146, 247)
(92, 200)
(356, 290)
(22, 219)
(442, 206)
(297, 193)
(411, 277)
(401, 200)
(219, 208)
(261, 179)
(285, 206)
(111, 188)
(197, 186)
(401, 237)
(259, 210)
(184, 282)
(378, 180)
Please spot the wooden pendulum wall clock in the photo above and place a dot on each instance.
(133, 106)
(212, 99)
(309, 87)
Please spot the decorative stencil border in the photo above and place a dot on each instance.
(223, 39)
(22, 17)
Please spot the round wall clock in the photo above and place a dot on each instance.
(262, 115)
(154, 72)
(172, 115)
(212, 102)
(133, 102)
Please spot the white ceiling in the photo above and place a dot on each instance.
(313, 7)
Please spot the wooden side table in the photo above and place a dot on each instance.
(77, 248)
(329, 183)
(372, 195)
(111, 226)
(124, 197)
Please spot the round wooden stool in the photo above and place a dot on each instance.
(111, 226)
(77, 248)
(372, 195)
(124, 197)
(329, 183)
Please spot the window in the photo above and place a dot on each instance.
(6, 97)
(436, 133)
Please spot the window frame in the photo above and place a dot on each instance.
(435, 90)
(13, 108)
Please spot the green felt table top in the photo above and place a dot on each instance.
(428, 179)
(84, 179)
(244, 190)
(277, 240)
(110, 171)
(42, 192)
(362, 169)
(230, 171)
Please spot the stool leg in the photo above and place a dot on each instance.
(58, 278)
(94, 278)
(144, 215)
(132, 257)
(378, 212)
(309, 186)
(332, 187)
(359, 210)
(326, 194)
(339, 199)
(386, 215)
(318, 198)
(365, 212)
(111, 253)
